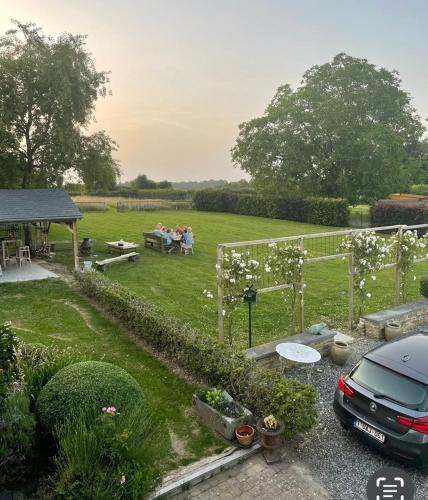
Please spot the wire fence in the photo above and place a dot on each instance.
(319, 247)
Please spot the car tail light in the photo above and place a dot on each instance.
(344, 387)
(416, 424)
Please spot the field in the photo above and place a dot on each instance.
(176, 283)
(51, 313)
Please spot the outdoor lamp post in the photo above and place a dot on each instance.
(250, 298)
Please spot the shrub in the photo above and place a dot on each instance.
(423, 287)
(8, 344)
(390, 213)
(86, 387)
(106, 458)
(38, 363)
(324, 211)
(421, 189)
(261, 390)
(17, 426)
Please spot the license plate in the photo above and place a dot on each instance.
(369, 430)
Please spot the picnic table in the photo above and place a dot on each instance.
(121, 246)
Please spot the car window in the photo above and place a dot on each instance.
(387, 383)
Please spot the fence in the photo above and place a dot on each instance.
(320, 247)
(152, 205)
(92, 206)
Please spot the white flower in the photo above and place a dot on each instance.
(368, 295)
(248, 276)
(374, 278)
(122, 479)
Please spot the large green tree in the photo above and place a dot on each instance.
(348, 130)
(48, 90)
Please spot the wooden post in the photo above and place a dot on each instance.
(220, 293)
(302, 292)
(351, 288)
(397, 267)
(75, 243)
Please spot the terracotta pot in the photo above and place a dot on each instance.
(340, 352)
(245, 435)
(271, 441)
(393, 329)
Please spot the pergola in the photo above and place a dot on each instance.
(37, 209)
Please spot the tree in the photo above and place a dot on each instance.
(143, 182)
(348, 130)
(97, 168)
(48, 90)
(164, 185)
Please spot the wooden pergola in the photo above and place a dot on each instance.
(37, 209)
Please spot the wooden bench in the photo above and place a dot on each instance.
(156, 242)
(103, 264)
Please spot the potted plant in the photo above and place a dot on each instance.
(245, 435)
(271, 429)
(220, 412)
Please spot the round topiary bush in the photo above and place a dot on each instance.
(86, 388)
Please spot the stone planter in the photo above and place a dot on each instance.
(340, 352)
(393, 330)
(220, 423)
(271, 441)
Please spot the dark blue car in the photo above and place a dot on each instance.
(384, 399)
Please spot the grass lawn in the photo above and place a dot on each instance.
(176, 282)
(50, 312)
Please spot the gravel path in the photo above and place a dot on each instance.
(341, 462)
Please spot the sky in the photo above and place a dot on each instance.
(186, 73)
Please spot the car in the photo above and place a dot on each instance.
(384, 398)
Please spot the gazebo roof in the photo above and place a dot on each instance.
(37, 205)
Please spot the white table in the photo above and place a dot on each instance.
(299, 353)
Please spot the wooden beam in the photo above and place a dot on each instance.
(69, 226)
(75, 245)
(220, 293)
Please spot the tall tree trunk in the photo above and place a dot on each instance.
(26, 182)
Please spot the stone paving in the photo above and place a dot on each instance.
(288, 480)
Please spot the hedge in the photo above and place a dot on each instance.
(148, 194)
(423, 287)
(85, 388)
(324, 211)
(421, 189)
(264, 391)
(390, 213)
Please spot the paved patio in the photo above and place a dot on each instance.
(28, 272)
(253, 479)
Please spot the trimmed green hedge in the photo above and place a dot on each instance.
(423, 287)
(85, 388)
(390, 213)
(263, 391)
(324, 211)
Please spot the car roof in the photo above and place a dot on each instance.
(407, 355)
